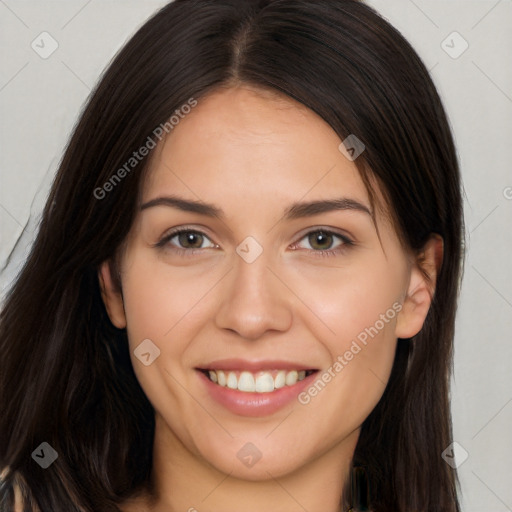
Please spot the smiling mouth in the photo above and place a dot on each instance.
(256, 382)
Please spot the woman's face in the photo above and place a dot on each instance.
(279, 280)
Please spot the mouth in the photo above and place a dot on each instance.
(263, 381)
(254, 388)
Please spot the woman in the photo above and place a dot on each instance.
(243, 290)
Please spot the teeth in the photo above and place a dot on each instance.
(221, 378)
(265, 383)
(261, 382)
(280, 380)
(246, 382)
(232, 381)
(291, 378)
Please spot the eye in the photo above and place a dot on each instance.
(324, 242)
(184, 239)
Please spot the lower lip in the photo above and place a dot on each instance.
(254, 404)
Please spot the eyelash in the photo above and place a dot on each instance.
(318, 253)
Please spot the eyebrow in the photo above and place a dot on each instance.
(295, 211)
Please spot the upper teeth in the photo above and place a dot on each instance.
(261, 382)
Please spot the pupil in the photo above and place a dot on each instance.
(319, 239)
(187, 239)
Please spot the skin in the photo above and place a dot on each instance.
(253, 153)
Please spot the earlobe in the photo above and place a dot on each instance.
(111, 295)
(421, 289)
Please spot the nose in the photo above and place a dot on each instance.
(253, 301)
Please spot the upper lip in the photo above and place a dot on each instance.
(254, 366)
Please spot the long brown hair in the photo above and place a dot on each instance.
(65, 371)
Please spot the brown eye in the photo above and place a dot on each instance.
(320, 240)
(190, 239)
(187, 240)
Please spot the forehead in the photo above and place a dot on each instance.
(252, 144)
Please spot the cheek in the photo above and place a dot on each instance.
(344, 394)
(160, 301)
(167, 306)
(355, 316)
(163, 306)
(153, 310)
(348, 300)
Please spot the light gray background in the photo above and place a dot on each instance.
(40, 100)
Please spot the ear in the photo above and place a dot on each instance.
(421, 288)
(111, 295)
